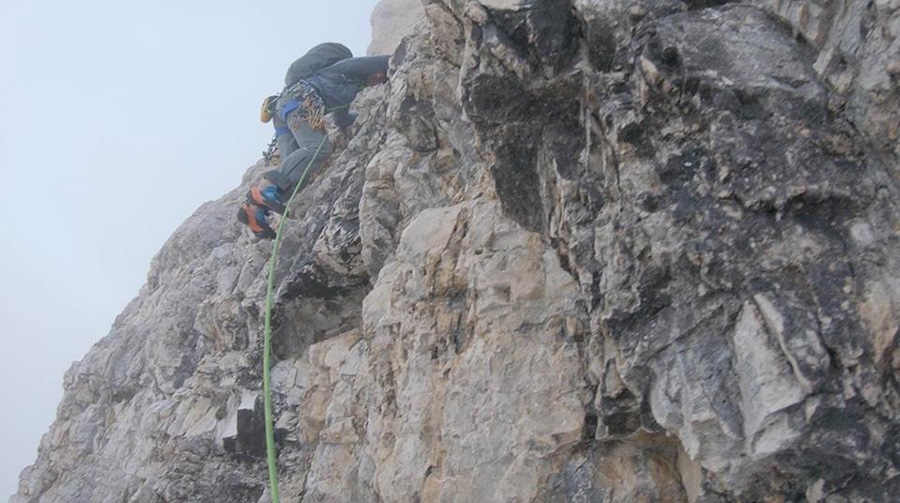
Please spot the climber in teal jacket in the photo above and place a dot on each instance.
(324, 81)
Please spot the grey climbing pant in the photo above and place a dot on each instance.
(303, 147)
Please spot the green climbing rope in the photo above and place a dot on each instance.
(267, 336)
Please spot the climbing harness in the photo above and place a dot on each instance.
(304, 97)
(267, 336)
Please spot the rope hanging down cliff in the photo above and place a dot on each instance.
(267, 337)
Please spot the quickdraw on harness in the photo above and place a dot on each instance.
(304, 97)
(269, 153)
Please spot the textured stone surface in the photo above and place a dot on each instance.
(586, 251)
(391, 21)
(858, 54)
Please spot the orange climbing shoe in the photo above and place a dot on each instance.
(256, 218)
(267, 194)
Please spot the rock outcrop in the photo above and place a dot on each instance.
(575, 251)
(391, 21)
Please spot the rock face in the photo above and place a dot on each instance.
(575, 251)
(391, 21)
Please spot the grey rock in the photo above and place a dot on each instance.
(587, 251)
(392, 20)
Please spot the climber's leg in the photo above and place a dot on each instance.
(313, 149)
(283, 137)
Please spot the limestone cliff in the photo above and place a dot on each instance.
(575, 251)
(392, 20)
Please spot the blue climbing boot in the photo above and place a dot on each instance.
(267, 194)
(256, 218)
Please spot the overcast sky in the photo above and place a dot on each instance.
(117, 120)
